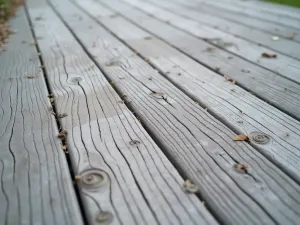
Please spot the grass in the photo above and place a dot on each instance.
(7, 9)
(295, 3)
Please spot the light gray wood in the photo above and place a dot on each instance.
(251, 29)
(245, 11)
(280, 92)
(269, 26)
(142, 187)
(268, 7)
(35, 187)
(200, 145)
(238, 108)
(285, 65)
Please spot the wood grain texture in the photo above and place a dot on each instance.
(199, 145)
(247, 75)
(35, 184)
(285, 65)
(268, 7)
(252, 30)
(265, 26)
(245, 11)
(142, 186)
(241, 110)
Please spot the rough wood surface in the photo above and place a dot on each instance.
(247, 75)
(272, 28)
(35, 184)
(140, 185)
(241, 110)
(268, 7)
(209, 16)
(245, 11)
(285, 65)
(200, 145)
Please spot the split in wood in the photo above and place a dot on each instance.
(241, 137)
(190, 187)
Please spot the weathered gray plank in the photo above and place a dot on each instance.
(35, 186)
(280, 92)
(241, 110)
(274, 29)
(201, 146)
(285, 65)
(142, 186)
(268, 7)
(211, 17)
(245, 11)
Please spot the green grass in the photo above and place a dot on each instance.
(295, 3)
(4, 9)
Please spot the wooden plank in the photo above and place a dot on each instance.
(141, 186)
(247, 75)
(239, 109)
(199, 145)
(247, 11)
(268, 7)
(35, 187)
(284, 65)
(172, 63)
(248, 28)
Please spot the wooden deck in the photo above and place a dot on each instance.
(107, 107)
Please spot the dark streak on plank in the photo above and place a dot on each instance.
(105, 140)
(198, 144)
(35, 187)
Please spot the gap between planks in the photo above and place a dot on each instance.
(253, 79)
(142, 186)
(36, 187)
(112, 72)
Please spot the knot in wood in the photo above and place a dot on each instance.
(76, 79)
(92, 179)
(260, 138)
(104, 217)
(134, 142)
(158, 95)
